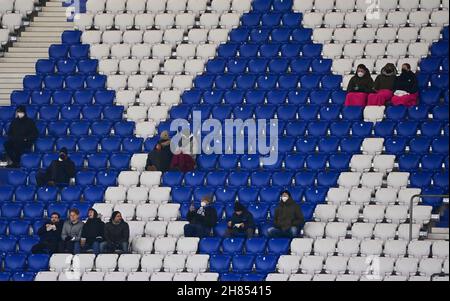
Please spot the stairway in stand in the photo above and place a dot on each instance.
(31, 45)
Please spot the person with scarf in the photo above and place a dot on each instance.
(384, 86)
(22, 133)
(201, 220)
(288, 218)
(359, 87)
(92, 234)
(406, 88)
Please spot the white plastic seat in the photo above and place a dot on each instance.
(6, 6)
(152, 263)
(348, 213)
(136, 114)
(322, 35)
(377, 18)
(303, 5)
(141, 51)
(374, 213)
(129, 66)
(220, 5)
(395, 248)
(300, 277)
(336, 264)
(137, 82)
(185, 20)
(169, 212)
(360, 163)
(419, 279)
(218, 35)
(162, 276)
(46, 276)
(408, 34)
(349, 179)
(345, 5)
(165, 245)
(359, 265)
(375, 50)
(150, 178)
(106, 262)
(83, 21)
(144, 21)
(197, 263)
(174, 263)
(159, 195)
(382, 266)
(197, 6)
(25, 7)
(146, 212)
(277, 277)
(405, 195)
(332, 50)
(397, 18)
(386, 34)
(334, 19)
(206, 51)
(145, 129)
(230, 20)
(138, 276)
(156, 228)
(419, 18)
(383, 163)
(386, 196)
(342, 66)
(440, 249)
(137, 195)
(372, 180)
(343, 35)
(354, 50)
(149, 66)
(108, 66)
(398, 179)
(361, 196)
(115, 6)
(162, 82)
(194, 66)
(430, 266)
(385, 231)
(173, 36)
(314, 230)
(172, 97)
(311, 264)
(60, 262)
(325, 213)
(129, 262)
(446, 266)
(174, 66)
(381, 63)
(414, 62)
(354, 19)
(240, 5)
(127, 210)
(348, 247)
(362, 230)
(403, 231)
(301, 246)
(143, 245)
(88, 36)
(138, 162)
(135, 6)
(347, 278)
(153, 37)
(418, 49)
(187, 245)
(136, 229)
(149, 98)
(128, 178)
(103, 22)
(419, 248)
(406, 266)
(198, 35)
(313, 19)
(422, 214)
(338, 195)
(368, 62)
(164, 20)
(132, 37)
(288, 264)
(324, 277)
(112, 37)
(325, 247)
(158, 113)
(336, 230)
(116, 82)
(439, 18)
(324, 5)
(176, 228)
(176, 5)
(430, 34)
(156, 6)
(186, 51)
(207, 277)
(396, 214)
(372, 146)
(429, 4)
(187, 277)
(104, 210)
(69, 276)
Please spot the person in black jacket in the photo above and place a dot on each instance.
(59, 172)
(406, 88)
(92, 234)
(49, 236)
(201, 220)
(359, 87)
(288, 218)
(22, 134)
(116, 236)
(241, 223)
(159, 159)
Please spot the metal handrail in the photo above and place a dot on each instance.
(411, 208)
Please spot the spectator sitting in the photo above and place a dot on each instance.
(159, 159)
(117, 235)
(71, 233)
(92, 234)
(288, 218)
(384, 86)
(59, 172)
(49, 236)
(406, 88)
(359, 87)
(201, 220)
(184, 153)
(22, 134)
(241, 223)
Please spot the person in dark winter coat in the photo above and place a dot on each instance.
(59, 172)
(406, 88)
(22, 134)
(359, 87)
(383, 87)
(201, 220)
(93, 232)
(288, 218)
(116, 236)
(71, 233)
(160, 158)
(241, 223)
(49, 236)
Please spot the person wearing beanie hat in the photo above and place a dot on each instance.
(22, 133)
(93, 232)
(60, 171)
(288, 218)
(117, 234)
(159, 159)
(201, 220)
(241, 223)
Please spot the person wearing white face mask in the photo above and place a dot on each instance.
(359, 87)
(288, 218)
(201, 220)
(22, 134)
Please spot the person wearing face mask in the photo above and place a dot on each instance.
(201, 220)
(288, 218)
(359, 87)
(384, 86)
(159, 159)
(49, 236)
(59, 172)
(406, 88)
(241, 223)
(22, 133)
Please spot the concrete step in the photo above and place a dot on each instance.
(32, 44)
(11, 81)
(438, 236)
(40, 19)
(54, 4)
(28, 70)
(440, 230)
(12, 75)
(52, 14)
(39, 40)
(26, 55)
(41, 34)
(15, 65)
(53, 9)
(28, 50)
(11, 86)
(45, 29)
(18, 60)
(53, 25)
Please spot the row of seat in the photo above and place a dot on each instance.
(13, 263)
(13, 244)
(24, 7)
(361, 5)
(349, 277)
(62, 98)
(157, 6)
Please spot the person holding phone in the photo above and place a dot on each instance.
(49, 236)
(60, 171)
(71, 233)
(201, 220)
(241, 223)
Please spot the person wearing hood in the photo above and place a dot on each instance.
(241, 223)
(160, 158)
(359, 87)
(71, 233)
(116, 236)
(92, 234)
(201, 220)
(60, 171)
(22, 133)
(49, 236)
(406, 88)
(288, 218)
(185, 152)
(384, 86)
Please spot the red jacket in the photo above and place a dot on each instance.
(183, 163)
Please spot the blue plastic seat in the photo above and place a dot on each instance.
(430, 96)
(19, 228)
(88, 144)
(210, 245)
(312, 50)
(306, 178)
(49, 113)
(250, 162)
(270, 195)
(111, 144)
(395, 146)
(439, 49)
(11, 210)
(259, 212)
(421, 179)
(248, 195)
(329, 145)
(200, 192)
(71, 194)
(96, 82)
(327, 178)
(238, 178)
(79, 51)
(93, 194)
(41, 98)
(251, 19)
(420, 145)
(85, 178)
(407, 128)
(441, 180)
(3, 228)
(432, 162)
(181, 194)
(278, 65)
(80, 128)
(419, 112)
(291, 19)
(20, 98)
(430, 65)
(316, 195)
(269, 51)
(295, 161)
(71, 37)
(7, 245)
(25, 194)
(38, 262)
(27, 243)
(17, 177)
(409, 162)
(30, 161)
(172, 178)
(194, 178)
(120, 161)
(441, 113)
(226, 195)
(323, 66)
(220, 263)
(339, 162)
(67, 142)
(58, 51)
(302, 35)
(70, 112)
(23, 276)
(431, 128)
(33, 211)
(362, 129)
(440, 145)
(15, 262)
(306, 145)
(384, 128)
(296, 128)
(232, 246)
(243, 263)
(32, 82)
(396, 112)
(318, 128)
(47, 194)
(97, 161)
(253, 277)
(300, 65)
(226, 277)
(66, 66)
(255, 246)
(217, 178)
(316, 162)
(227, 50)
